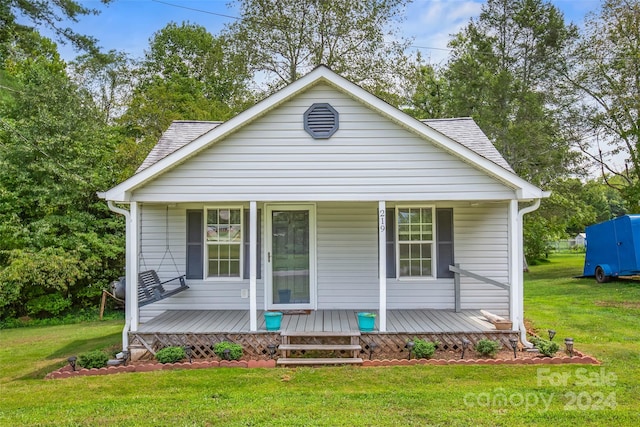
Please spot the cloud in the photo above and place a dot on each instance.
(430, 23)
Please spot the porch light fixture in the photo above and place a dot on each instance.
(272, 350)
(372, 348)
(552, 334)
(188, 351)
(568, 342)
(465, 344)
(72, 362)
(226, 354)
(514, 346)
(410, 345)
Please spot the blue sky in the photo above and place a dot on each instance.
(127, 25)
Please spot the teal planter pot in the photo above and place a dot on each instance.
(272, 319)
(366, 321)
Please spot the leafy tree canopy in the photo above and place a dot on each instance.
(50, 14)
(285, 39)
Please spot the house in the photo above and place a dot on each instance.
(323, 199)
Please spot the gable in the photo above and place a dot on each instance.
(468, 150)
(369, 157)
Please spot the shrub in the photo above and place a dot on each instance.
(235, 350)
(486, 347)
(423, 349)
(93, 359)
(546, 347)
(170, 355)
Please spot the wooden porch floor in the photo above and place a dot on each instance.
(237, 321)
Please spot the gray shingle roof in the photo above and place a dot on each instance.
(179, 134)
(465, 131)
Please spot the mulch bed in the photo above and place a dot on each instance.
(440, 358)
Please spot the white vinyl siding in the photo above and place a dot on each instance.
(481, 239)
(369, 158)
(347, 255)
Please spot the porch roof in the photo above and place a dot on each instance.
(237, 321)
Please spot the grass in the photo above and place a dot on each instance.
(603, 320)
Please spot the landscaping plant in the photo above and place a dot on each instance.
(235, 350)
(487, 348)
(93, 359)
(423, 349)
(546, 347)
(170, 355)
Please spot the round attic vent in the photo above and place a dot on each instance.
(321, 121)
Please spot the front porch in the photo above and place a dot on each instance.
(200, 329)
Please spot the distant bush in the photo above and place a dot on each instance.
(423, 349)
(487, 348)
(170, 355)
(235, 350)
(93, 359)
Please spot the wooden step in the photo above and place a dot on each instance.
(320, 334)
(319, 361)
(319, 347)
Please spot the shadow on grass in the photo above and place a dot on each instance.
(81, 346)
(106, 342)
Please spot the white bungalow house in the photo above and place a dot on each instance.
(322, 198)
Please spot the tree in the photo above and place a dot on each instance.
(49, 14)
(186, 74)
(109, 78)
(605, 72)
(358, 39)
(500, 73)
(429, 94)
(59, 245)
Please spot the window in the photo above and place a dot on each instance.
(415, 241)
(224, 242)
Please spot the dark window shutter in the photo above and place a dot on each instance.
(391, 243)
(246, 272)
(195, 244)
(444, 241)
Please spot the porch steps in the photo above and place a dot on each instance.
(329, 346)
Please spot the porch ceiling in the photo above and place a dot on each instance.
(237, 321)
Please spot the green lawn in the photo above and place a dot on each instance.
(603, 320)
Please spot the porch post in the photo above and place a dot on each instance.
(132, 249)
(382, 263)
(253, 273)
(515, 263)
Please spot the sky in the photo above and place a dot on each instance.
(127, 25)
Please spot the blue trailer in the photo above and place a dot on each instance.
(613, 248)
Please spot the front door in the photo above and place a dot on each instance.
(290, 257)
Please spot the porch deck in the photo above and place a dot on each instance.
(200, 329)
(237, 321)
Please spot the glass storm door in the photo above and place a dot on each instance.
(291, 257)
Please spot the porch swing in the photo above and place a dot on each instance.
(150, 288)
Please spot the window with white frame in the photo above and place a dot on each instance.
(224, 242)
(416, 241)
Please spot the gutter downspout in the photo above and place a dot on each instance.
(521, 213)
(127, 323)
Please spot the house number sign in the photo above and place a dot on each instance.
(383, 221)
